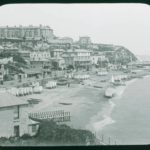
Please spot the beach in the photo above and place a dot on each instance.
(88, 107)
(85, 101)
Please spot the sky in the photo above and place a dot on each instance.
(119, 24)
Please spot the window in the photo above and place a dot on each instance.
(34, 128)
(16, 131)
(36, 32)
(16, 112)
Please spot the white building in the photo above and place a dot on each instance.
(6, 60)
(94, 59)
(14, 116)
(85, 40)
(29, 32)
(57, 53)
(39, 56)
(82, 58)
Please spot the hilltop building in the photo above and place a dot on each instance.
(84, 42)
(26, 32)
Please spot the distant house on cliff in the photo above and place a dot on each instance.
(14, 116)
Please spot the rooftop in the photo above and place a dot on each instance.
(1, 47)
(33, 71)
(82, 50)
(58, 50)
(25, 27)
(8, 100)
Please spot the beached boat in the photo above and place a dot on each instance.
(103, 80)
(51, 84)
(102, 73)
(65, 103)
(110, 92)
(34, 101)
(62, 82)
(30, 90)
(112, 79)
(117, 81)
(17, 92)
(96, 86)
(35, 84)
(38, 89)
(21, 92)
(82, 77)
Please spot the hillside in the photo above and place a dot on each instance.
(117, 54)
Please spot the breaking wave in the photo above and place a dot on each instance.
(102, 118)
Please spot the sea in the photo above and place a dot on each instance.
(125, 120)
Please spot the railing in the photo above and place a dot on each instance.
(56, 116)
(106, 140)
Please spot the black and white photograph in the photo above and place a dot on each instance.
(74, 74)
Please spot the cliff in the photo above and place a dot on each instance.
(116, 53)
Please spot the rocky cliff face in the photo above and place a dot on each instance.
(117, 54)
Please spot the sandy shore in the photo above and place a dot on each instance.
(85, 99)
(89, 108)
(88, 103)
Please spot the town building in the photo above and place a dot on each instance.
(3, 70)
(26, 32)
(39, 56)
(36, 71)
(61, 43)
(1, 48)
(10, 49)
(65, 40)
(40, 60)
(25, 54)
(93, 46)
(57, 53)
(14, 116)
(69, 56)
(95, 59)
(58, 63)
(6, 60)
(84, 42)
(78, 58)
(82, 58)
(57, 60)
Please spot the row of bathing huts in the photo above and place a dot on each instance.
(37, 87)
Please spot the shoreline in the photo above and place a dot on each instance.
(129, 115)
(89, 108)
(103, 117)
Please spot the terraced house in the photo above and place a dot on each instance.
(27, 32)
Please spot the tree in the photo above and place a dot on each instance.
(63, 134)
(70, 67)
